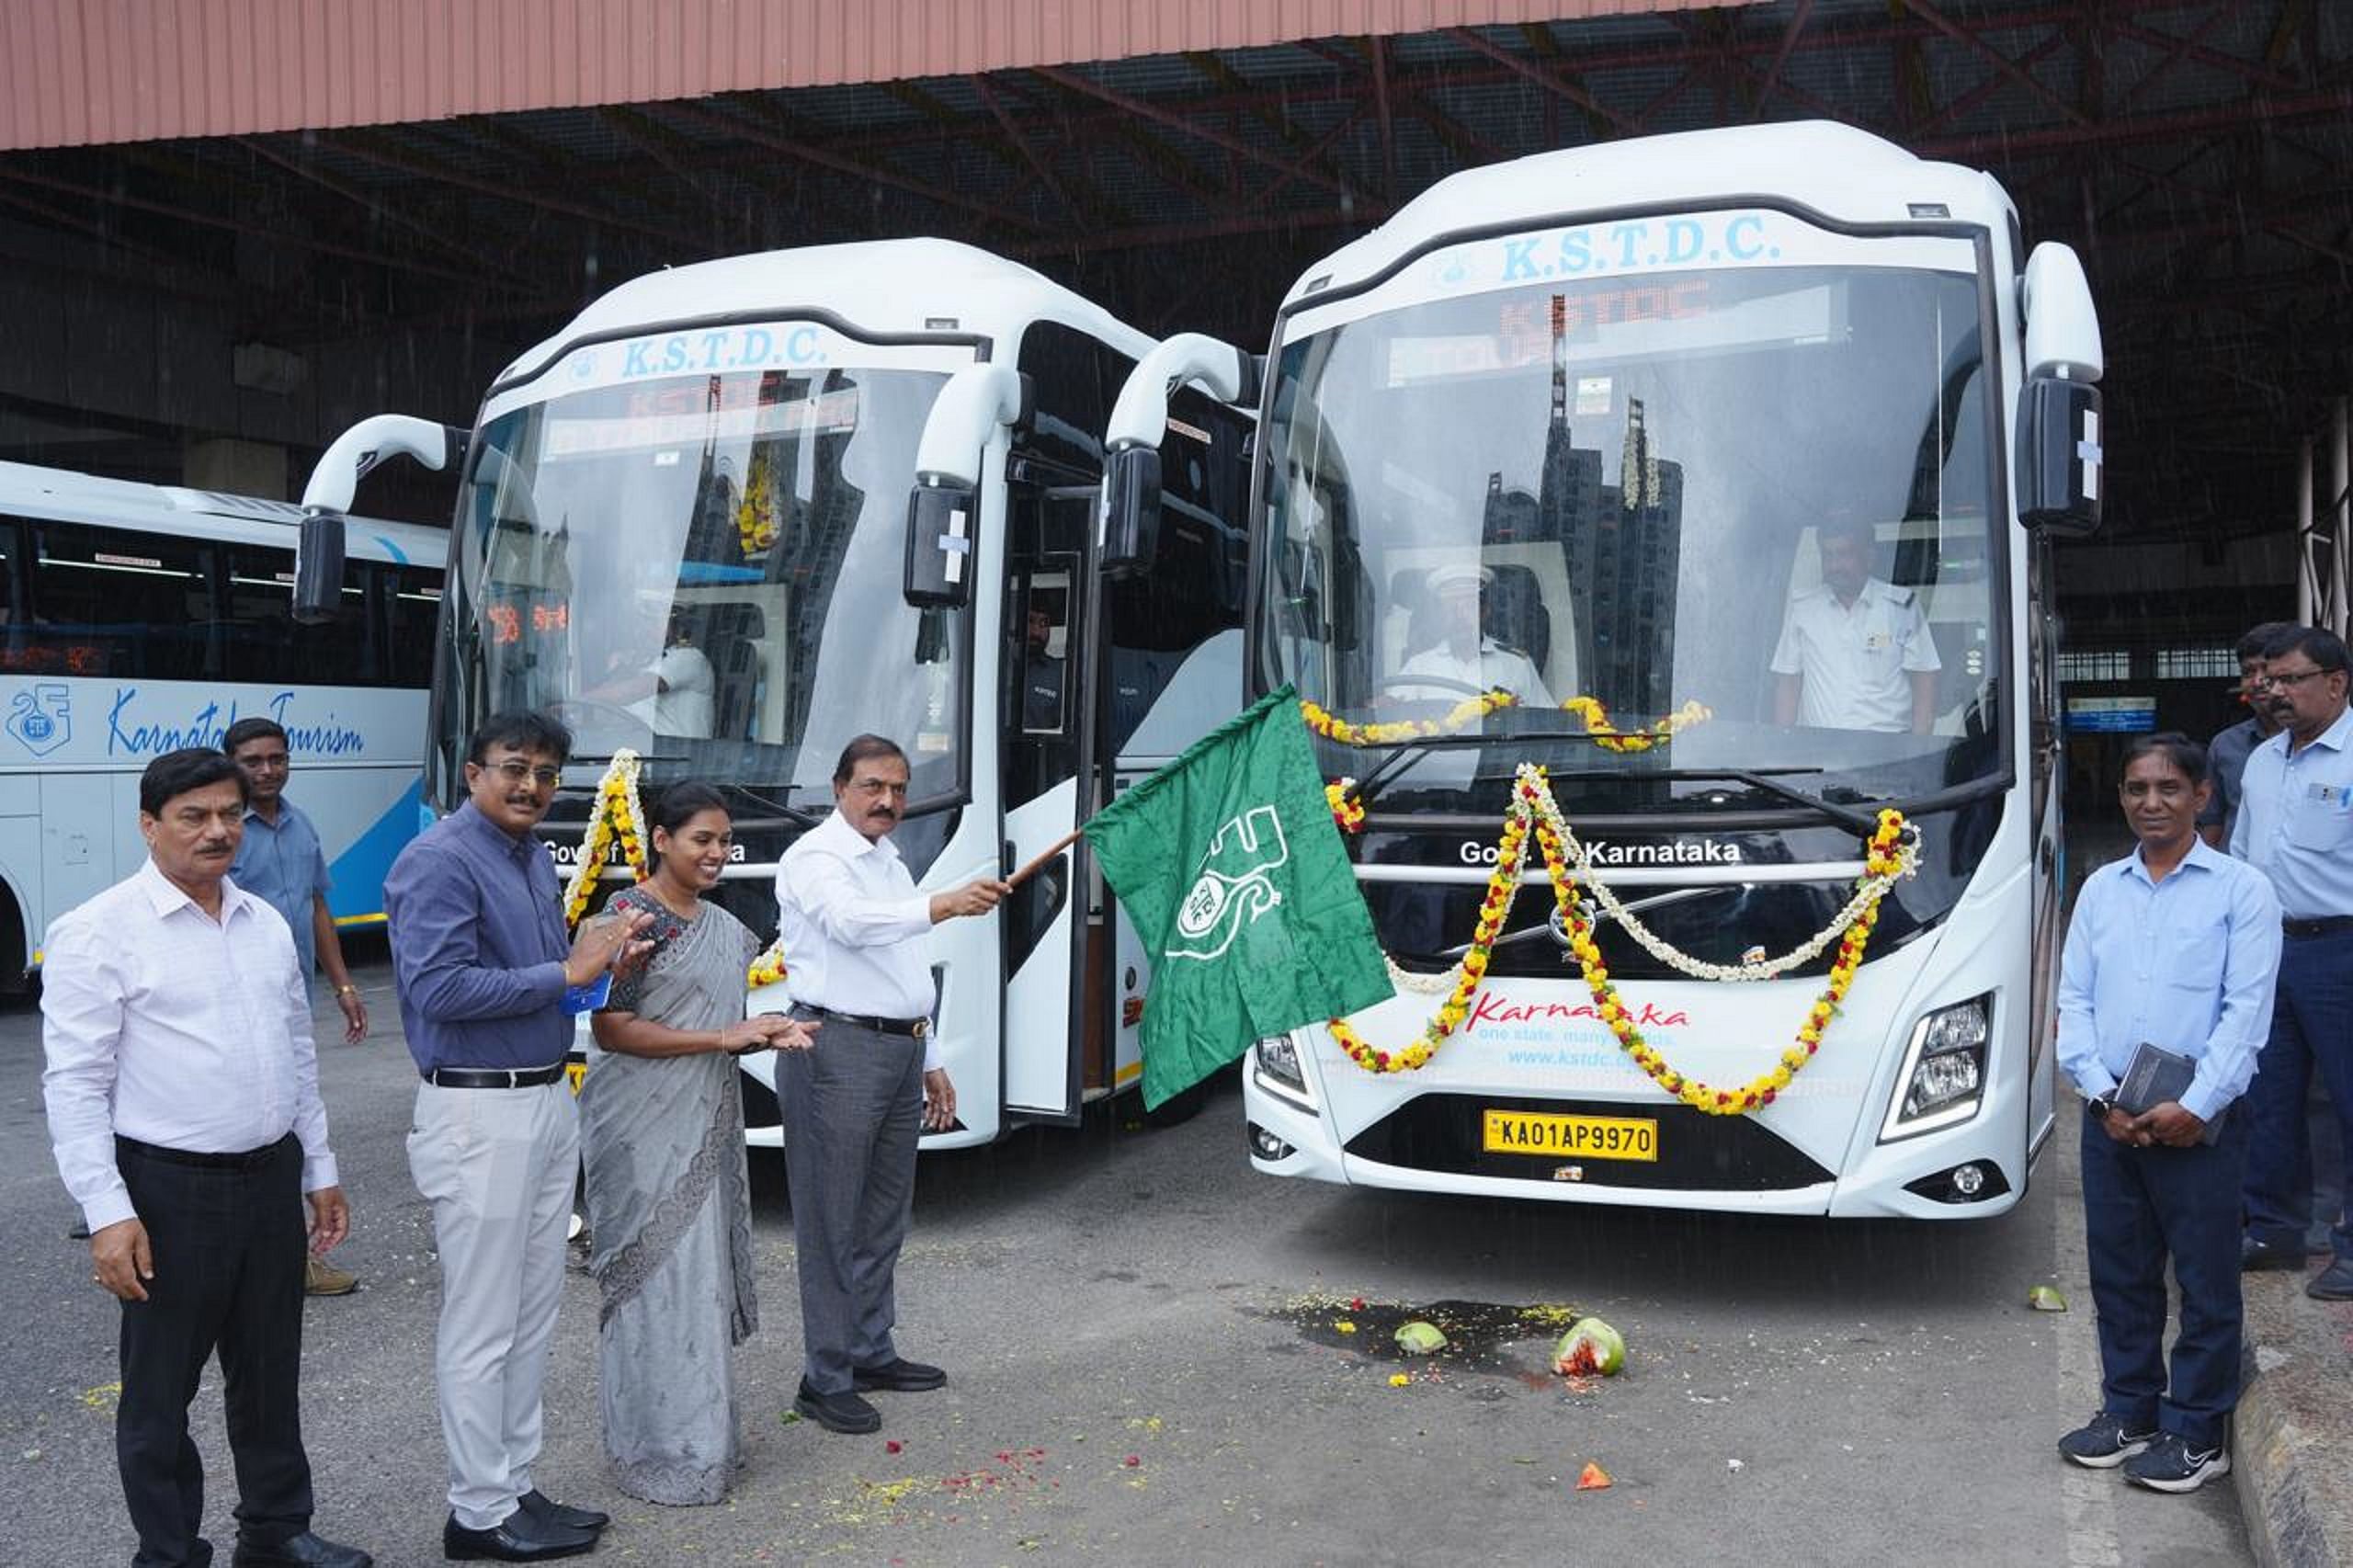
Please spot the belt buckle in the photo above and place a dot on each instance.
(921, 1027)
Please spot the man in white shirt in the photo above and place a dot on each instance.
(850, 923)
(184, 1108)
(1469, 660)
(685, 691)
(1855, 652)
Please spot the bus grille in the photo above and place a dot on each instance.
(1697, 1151)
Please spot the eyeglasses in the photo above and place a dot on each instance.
(2294, 678)
(515, 771)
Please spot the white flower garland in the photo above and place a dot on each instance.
(1866, 892)
(617, 806)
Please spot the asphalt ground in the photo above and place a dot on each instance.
(1147, 1366)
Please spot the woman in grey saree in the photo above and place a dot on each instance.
(669, 1206)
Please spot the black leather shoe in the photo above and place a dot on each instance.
(546, 1510)
(2333, 1283)
(2255, 1255)
(899, 1375)
(304, 1551)
(517, 1538)
(843, 1412)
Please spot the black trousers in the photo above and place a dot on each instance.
(228, 1246)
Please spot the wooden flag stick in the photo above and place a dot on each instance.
(1056, 847)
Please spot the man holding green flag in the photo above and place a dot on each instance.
(1230, 866)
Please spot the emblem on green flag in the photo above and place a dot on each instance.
(1229, 864)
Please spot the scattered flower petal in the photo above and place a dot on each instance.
(1592, 1478)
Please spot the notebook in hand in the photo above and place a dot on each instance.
(2156, 1076)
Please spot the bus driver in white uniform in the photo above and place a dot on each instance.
(1473, 662)
(1855, 652)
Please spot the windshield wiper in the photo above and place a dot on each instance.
(1765, 780)
(794, 814)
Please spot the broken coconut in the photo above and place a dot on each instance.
(1419, 1338)
(1591, 1347)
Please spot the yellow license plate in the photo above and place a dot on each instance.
(1585, 1137)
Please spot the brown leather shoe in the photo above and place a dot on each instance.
(320, 1278)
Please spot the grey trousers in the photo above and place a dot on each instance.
(853, 1109)
(498, 1166)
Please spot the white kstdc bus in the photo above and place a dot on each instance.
(840, 490)
(138, 619)
(1754, 437)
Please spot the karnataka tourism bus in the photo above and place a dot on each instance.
(739, 512)
(1677, 511)
(138, 619)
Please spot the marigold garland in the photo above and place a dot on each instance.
(1890, 856)
(1469, 711)
(616, 820)
(1348, 812)
(755, 518)
(1511, 853)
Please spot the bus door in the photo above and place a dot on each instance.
(1054, 1040)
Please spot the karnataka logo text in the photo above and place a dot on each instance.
(1234, 887)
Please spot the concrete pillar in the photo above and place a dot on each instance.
(236, 467)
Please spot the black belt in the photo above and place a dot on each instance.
(493, 1077)
(2322, 927)
(914, 1029)
(247, 1161)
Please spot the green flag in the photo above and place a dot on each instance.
(1228, 863)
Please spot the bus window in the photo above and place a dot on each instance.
(261, 642)
(1045, 652)
(123, 604)
(413, 605)
(1194, 591)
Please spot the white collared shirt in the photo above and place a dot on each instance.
(1854, 660)
(1496, 666)
(2295, 819)
(163, 1025)
(850, 918)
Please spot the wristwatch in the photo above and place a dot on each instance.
(2099, 1106)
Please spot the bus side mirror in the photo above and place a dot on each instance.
(318, 567)
(1131, 521)
(939, 543)
(2060, 458)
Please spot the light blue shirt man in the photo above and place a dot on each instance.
(285, 866)
(2185, 963)
(2295, 821)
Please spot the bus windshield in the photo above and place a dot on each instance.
(1761, 489)
(708, 569)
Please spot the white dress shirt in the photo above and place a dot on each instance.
(849, 919)
(1496, 666)
(165, 1025)
(1855, 660)
(2295, 819)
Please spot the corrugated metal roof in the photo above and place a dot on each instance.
(77, 73)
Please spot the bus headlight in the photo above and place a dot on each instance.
(1275, 1066)
(1943, 1078)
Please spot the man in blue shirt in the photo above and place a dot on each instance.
(2174, 945)
(2295, 825)
(2226, 753)
(483, 966)
(281, 862)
